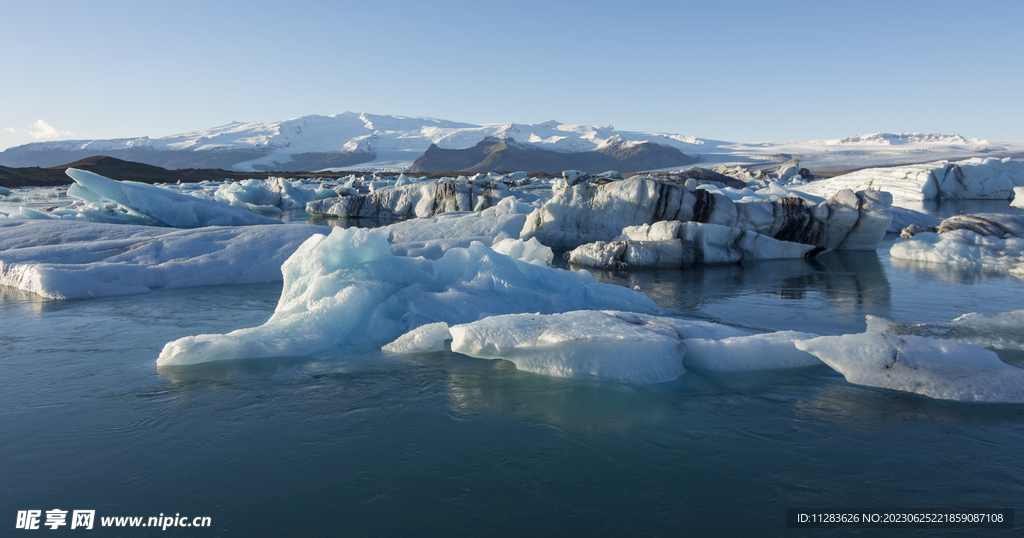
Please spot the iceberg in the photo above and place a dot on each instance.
(61, 259)
(971, 179)
(163, 207)
(416, 200)
(430, 237)
(349, 289)
(591, 212)
(269, 195)
(964, 248)
(598, 345)
(940, 369)
(682, 244)
(1018, 197)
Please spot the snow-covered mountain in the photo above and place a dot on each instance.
(355, 141)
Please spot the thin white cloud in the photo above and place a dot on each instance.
(41, 129)
(9, 129)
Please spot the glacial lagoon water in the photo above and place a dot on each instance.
(369, 444)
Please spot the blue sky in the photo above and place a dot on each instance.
(739, 70)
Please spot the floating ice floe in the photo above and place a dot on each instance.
(600, 345)
(682, 244)
(348, 288)
(940, 369)
(588, 213)
(990, 224)
(417, 200)
(618, 346)
(423, 339)
(76, 260)
(964, 248)
(1004, 330)
(159, 205)
(971, 179)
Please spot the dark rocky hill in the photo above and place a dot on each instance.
(492, 154)
(118, 169)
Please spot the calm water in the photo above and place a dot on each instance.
(442, 444)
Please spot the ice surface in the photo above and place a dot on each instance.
(349, 289)
(431, 237)
(163, 206)
(424, 339)
(76, 260)
(754, 352)
(601, 345)
(964, 248)
(1004, 330)
(682, 244)
(971, 179)
(990, 224)
(936, 368)
(528, 251)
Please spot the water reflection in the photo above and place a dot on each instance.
(497, 390)
(956, 274)
(846, 283)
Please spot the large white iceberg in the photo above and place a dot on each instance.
(162, 206)
(76, 260)
(971, 179)
(940, 369)
(349, 289)
(265, 195)
(416, 200)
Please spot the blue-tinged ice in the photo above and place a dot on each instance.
(62, 259)
(349, 289)
(164, 207)
(941, 369)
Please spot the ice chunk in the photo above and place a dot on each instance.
(76, 260)
(602, 345)
(965, 249)
(425, 339)
(1018, 197)
(590, 212)
(682, 244)
(754, 352)
(936, 368)
(1004, 330)
(525, 250)
(971, 179)
(165, 207)
(266, 195)
(349, 289)
(607, 346)
(415, 200)
(5, 191)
